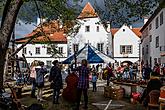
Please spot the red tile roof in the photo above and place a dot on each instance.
(135, 30)
(114, 30)
(88, 12)
(52, 31)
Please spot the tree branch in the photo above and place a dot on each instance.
(23, 45)
(5, 10)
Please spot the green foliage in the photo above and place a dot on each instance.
(119, 12)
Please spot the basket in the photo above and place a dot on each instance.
(154, 96)
(162, 92)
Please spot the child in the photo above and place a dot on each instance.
(94, 80)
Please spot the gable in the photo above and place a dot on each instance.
(87, 12)
(136, 31)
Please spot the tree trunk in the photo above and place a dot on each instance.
(6, 30)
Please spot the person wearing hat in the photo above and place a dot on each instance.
(56, 80)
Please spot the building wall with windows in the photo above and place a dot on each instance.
(43, 48)
(41, 52)
(155, 38)
(92, 32)
(126, 42)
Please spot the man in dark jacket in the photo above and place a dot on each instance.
(56, 78)
(153, 84)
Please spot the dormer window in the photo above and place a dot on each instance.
(87, 28)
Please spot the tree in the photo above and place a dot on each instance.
(118, 12)
(10, 13)
(59, 9)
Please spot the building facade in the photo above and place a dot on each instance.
(47, 48)
(153, 38)
(92, 31)
(126, 44)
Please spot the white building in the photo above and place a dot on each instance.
(39, 48)
(91, 31)
(126, 42)
(153, 38)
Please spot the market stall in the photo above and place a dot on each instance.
(91, 54)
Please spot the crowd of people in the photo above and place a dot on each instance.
(85, 74)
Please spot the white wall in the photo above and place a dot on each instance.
(127, 37)
(93, 37)
(43, 56)
(160, 31)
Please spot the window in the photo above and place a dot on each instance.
(48, 64)
(157, 42)
(150, 38)
(126, 49)
(97, 29)
(161, 18)
(150, 26)
(60, 49)
(37, 50)
(146, 49)
(157, 22)
(159, 60)
(100, 47)
(107, 51)
(87, 28)
(75, 47)
(155, 60)
(150, 61)
(48, 50)
(24, 50)
(24, 65)
(143, 51)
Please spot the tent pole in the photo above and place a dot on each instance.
(75, 55)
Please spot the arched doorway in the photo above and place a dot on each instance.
(126, 63)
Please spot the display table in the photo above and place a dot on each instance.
(130, 87)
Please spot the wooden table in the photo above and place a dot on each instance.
(162, 103)
(128, 87)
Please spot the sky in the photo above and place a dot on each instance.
(22, 29)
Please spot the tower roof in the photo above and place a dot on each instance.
(88, 12)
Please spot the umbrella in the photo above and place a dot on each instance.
(91, 54)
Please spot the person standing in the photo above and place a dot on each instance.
(83, 83)
(56, 79)
(110, 73)
(33, 78)
(40, 72)
(131, 72)
(94, 80)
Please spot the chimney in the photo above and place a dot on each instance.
(130, 26)
(108, 26)
(39, 20)
(145, 20)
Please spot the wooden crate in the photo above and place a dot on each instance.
(113, 92)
